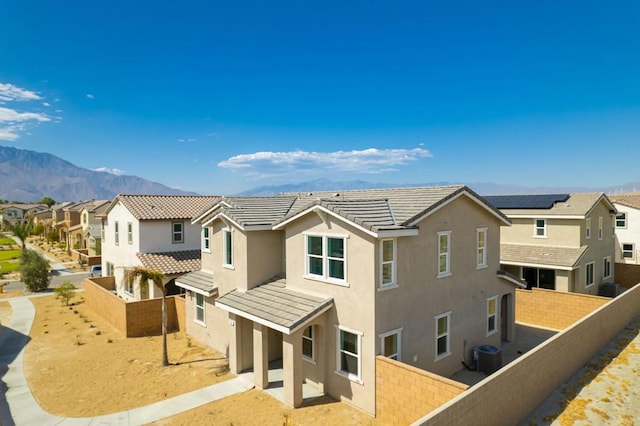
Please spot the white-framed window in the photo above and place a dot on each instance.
(116, 232)
(391, 344)
(177, 232)
(308, 346)
(621, 220)
(102, 230)
(600, 226)
(85, 218)
(628, 250)
(129, 233)
(444, 253)
(206, 240)
(540, 226)
(587, 228)
(442, 335)
(227, 247)
(109, 269)
(388, 263)
(326, 257)
(589, 273)
(199, 309)
(492, 315)
(606, 267)
(481, 248)
(349, 354)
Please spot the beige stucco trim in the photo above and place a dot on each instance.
(481, 203)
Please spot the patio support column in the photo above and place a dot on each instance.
(260, 355)
(292, 368)
(235, 344)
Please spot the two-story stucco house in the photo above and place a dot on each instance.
(153, 231)
(561, 242)
(90, 223)
(18, 212)
(327, 281)
(627, 230)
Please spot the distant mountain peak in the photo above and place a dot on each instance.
(29, 176)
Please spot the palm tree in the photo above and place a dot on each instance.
(144, 275)
(20, 230)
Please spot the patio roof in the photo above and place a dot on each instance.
(199, 282)
(272, 304)
(541, 256)
(171, 263)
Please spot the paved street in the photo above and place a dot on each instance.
(56, 280)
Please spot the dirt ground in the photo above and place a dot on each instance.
(78, 365)
(5, 312)
(255, 407)
(605, 391)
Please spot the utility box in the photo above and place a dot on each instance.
(489, 359)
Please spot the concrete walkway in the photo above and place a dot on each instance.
(18, 406)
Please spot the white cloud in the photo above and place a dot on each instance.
(271, 164)
(14, 122)
(90, 96)
(47, 104)
(9, 92)
(182, 140)
(116, 172)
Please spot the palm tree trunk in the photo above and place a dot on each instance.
(165, 358)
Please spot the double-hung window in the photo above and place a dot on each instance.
(308, 336)
(227, 247)
(589, 274)
(481, 248)
(129, 233)
(628, 250)
(606, 267)
(492, 315)
(540, 228)
(326, 257)
(199, 308)
(349, 354)
(206, 241)
(128, 285)
(177, 232)
(388, 263)
(116, 231)
(587, 228)
(621, 220)
(600, 226)
(444, 253)
(391, 343)
(443, 348)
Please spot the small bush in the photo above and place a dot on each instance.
(65, 292)
(34, 270)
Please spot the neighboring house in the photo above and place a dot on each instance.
(561, 242)
(90, 222)
(327, 281)
(152, 231)
(17, 212)
(627, 230)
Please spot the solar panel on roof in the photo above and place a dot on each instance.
(539, 201)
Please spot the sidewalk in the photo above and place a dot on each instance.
(18, 406)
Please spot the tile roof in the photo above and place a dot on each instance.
(164, 207)
(564, 257)
(274, 305)
(629, 199)
(578, 204)
(171, 263)
(255, 211)
(199, 281)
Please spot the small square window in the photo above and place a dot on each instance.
(177, 229)
(621, 220)
(540, 228)
(628, 250)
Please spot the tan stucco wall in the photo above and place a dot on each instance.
(215, 331)
(422, 295)
(353, 304)
(265, 255)
(560, 232)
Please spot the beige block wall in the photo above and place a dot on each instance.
(627, 275)
(405, 393)
(539, 372)
(554, 310)
(132, 319)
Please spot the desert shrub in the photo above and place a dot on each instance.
(52, 236)
(34, 270)
(65, 292)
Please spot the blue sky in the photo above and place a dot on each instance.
(219, 97)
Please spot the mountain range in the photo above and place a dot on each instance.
(28, 176)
